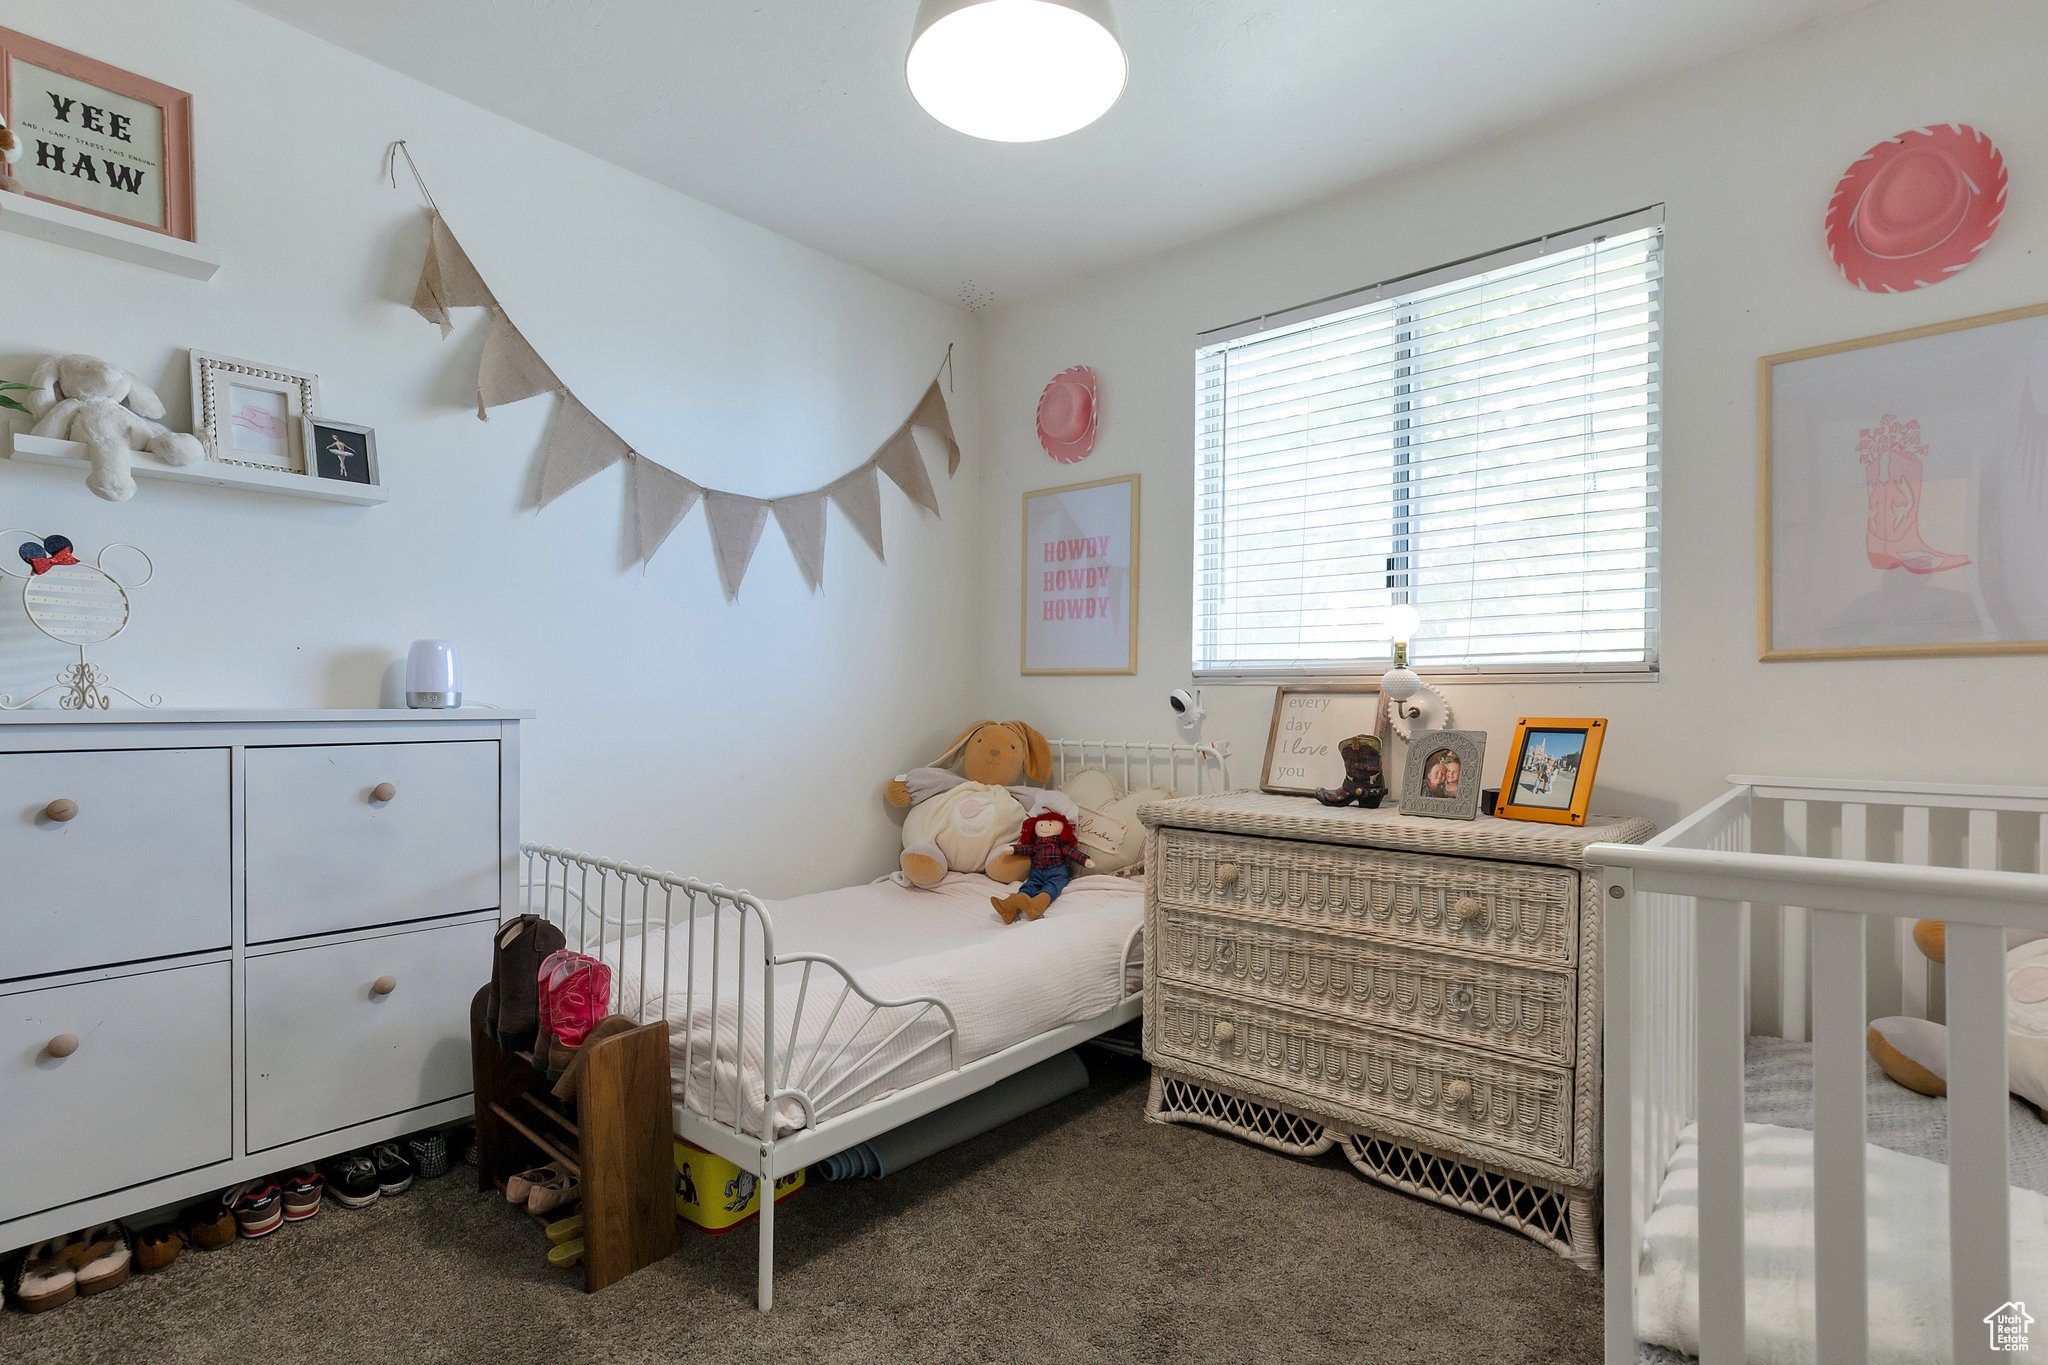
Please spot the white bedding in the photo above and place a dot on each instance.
(1908, 1252)
(1004, 984)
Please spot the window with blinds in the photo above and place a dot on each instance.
(1480, 441)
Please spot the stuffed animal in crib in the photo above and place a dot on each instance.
(83, 398)
(1047, 838)
(1365, 780)
(962, 821)
(1914, 1052)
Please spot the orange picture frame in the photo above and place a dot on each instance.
(1549, 751)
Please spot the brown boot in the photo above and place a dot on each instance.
(571, 1082)
(1009, 907)
(1036, 906)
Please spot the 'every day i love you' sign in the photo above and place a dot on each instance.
(1081, 578)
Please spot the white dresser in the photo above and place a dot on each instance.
(235, 942)
(1423, 995)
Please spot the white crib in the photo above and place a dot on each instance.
(1755, 908)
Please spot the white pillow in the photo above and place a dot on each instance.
(1109, 829)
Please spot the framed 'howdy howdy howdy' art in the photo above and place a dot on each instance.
(1081, 578)
(96, 138)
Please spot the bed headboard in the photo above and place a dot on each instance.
(1183, 769)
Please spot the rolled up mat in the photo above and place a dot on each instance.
(1010, 1098)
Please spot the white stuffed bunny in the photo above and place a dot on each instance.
(82, 398)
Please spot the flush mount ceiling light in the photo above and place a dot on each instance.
(1015, 70)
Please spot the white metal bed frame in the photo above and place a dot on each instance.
(1821, 858)
(635, 909)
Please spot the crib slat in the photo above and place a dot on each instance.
(1917, 851)
(1793, 949)
(1718, 1002)
(1841, 1301)
(1979, 1231)
(1621, 1031)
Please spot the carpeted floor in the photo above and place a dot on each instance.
(1080, 1233)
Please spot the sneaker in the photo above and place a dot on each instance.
(394, 1169)
(258, 1207)
(352, 1180)
(429, 1154)
(302, 1193)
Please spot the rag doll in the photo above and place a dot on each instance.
(1047, 839)
(1365, 781)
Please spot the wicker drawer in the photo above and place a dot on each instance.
(1517, 1010)
(1509, 909)
(1517, 1110)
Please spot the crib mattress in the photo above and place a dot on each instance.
(1778, 1080)
(1003, 983)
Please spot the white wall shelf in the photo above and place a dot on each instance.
(42, 450)
(65, 226)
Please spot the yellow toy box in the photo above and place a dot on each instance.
(718, 1196)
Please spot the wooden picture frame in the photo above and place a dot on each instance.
(1899, 512)
(92, 133)
(250, 414)
(1079, 613)
(343, 452)
(1570, 743)
(1431, 752)
(1309, 721)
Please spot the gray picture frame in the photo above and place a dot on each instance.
(317, 466)
(1470, 748)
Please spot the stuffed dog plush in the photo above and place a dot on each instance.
(962, 821)
(83, 398)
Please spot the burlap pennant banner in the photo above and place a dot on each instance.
(736, 522)
(577, 447)
(510, 369)
(580, 444)
(661, 499)
(802, 519)
(859, 499)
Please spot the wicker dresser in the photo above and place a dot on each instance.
(1422, 994)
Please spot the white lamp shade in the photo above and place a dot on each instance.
(1015, 70)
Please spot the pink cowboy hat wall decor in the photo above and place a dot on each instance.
(1916, 208)
(1068, 413)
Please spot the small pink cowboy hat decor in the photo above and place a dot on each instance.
(1067, 413)
(1916, 208)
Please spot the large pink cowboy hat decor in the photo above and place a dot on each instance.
(1067, 414)
(1916, 208)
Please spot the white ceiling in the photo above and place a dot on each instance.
(794, 114)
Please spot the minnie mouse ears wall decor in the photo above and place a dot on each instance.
(1068, 413)
(1916, 208)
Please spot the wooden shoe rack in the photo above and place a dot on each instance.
(617, 1141)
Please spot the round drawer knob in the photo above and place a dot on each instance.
(1226, 874)
(60, 810)
(1226, 1033)
(384, 985)
(1457, 1092)
(383, 791)
(63, 1045)
(1468, 909)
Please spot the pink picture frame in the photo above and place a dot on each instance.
(98, 131)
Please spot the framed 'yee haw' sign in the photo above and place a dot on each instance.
(97, 138)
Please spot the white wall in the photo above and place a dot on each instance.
(673, 729)
(1744, 154)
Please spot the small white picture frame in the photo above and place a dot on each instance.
(345, 452)
(251, 414)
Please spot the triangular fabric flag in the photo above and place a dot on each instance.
(802, 519)
(859, 498)
(510, 369)
(931, 412)
(661, 499)
(578, 446)
(901, 460)
(447, 279)
(736, 524)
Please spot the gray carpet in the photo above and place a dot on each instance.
(1079, 1233)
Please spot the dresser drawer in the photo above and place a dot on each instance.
(1508, 909)
(1522, 1011)
(326, 1049)
(326, 854)
(1351, 1072)
(146, 1094)
(139, 869)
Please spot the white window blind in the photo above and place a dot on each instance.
(1481, 441)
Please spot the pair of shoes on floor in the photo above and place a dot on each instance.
(57, 1271)
(208, 1226)
(542, 1189)
(360, 1178)
(428, 1152)
(157, 1246)
(263, 1206)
